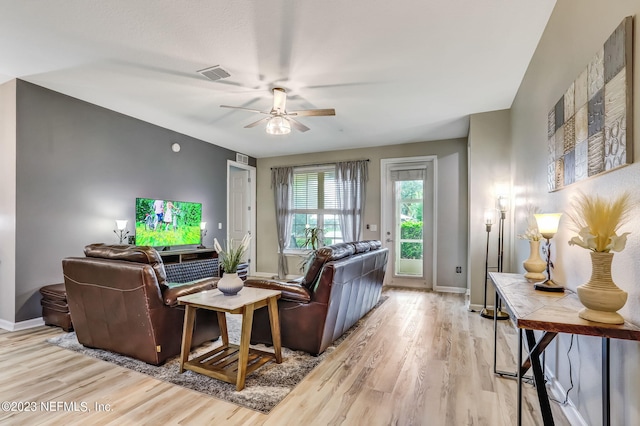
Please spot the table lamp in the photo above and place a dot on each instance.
(203, 232)
(121, 230)
(548, 226)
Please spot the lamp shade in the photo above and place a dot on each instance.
(203, 225)
(489, 216)
(121, 224)
(548, 223)
(503, 203)
(278, 125)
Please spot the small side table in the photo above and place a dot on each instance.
(229, 362)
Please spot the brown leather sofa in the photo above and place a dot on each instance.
(342, 283)
(120, 301)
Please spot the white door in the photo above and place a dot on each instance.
(241, 206)
(408, 219)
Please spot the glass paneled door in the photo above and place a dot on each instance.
(408, 218)
(409, 207)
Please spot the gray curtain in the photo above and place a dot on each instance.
(282, 184)
(351, 178)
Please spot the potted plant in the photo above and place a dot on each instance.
(598, 221)
(313, 237)
(230, 284)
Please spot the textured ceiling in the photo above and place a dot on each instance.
(396, 72)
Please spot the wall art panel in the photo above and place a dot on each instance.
(589, 129)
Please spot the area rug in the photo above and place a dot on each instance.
(264, 388)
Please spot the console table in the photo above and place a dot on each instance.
(187, 255)
(552, 313)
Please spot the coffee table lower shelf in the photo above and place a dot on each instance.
(222, 362)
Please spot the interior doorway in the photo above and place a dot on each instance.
(408, 196)
(241, 209)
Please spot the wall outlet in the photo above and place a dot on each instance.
(458, 269)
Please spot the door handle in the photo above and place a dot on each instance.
(389, 240)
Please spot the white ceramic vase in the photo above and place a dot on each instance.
(534, 265)
(601, 296)
(230, 284)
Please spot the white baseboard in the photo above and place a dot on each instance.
(443, 289)
(22, 325)
(569, 410)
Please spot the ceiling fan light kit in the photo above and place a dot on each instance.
(280, 121)
(278, 125)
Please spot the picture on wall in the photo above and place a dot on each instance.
(590, 128)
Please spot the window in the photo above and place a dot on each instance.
(314, 206)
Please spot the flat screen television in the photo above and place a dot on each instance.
(166, 223)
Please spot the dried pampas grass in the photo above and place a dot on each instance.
(597, 220)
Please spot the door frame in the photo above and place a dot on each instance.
(252, 205)
(384, 207)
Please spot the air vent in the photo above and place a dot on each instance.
(242, 159)
(214, 73)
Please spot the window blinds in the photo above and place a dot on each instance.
(314, 189)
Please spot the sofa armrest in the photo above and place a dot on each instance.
(291, 291)
(171, 294)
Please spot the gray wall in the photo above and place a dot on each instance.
(576, 30)
(80, 167)
(452, 202)
(489, 176)
(7, 202)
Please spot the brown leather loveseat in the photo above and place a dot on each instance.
(120, 301)
(342, 283)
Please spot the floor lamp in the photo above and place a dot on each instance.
(503, 207)
(488, 222)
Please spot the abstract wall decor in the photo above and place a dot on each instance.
(590, 128)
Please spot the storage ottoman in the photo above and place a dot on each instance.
(55, 310)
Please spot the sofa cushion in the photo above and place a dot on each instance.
(322, 256)
(361, 246)
(374, 244)
(138, 254)
(54, 292)
(291, 290)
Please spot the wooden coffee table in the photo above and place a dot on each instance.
(230, 362)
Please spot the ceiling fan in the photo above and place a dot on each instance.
(279, 120)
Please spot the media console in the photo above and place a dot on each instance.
(187, 255)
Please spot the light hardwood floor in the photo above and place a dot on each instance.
(419, 359)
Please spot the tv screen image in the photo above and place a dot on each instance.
(164, 223)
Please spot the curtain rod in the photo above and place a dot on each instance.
(317, 164)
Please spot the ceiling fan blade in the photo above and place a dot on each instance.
(255, 123)
(298, 125)
(279, 99)
(313, 112)
(244, 109)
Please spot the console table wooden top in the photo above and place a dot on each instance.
(556, 312)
